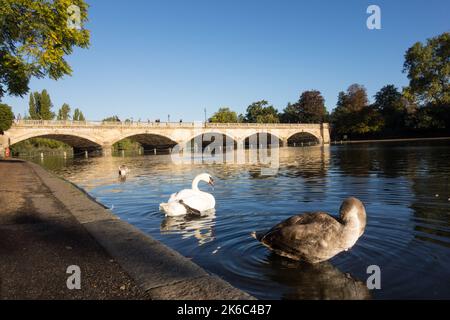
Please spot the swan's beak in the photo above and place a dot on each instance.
(211, 182)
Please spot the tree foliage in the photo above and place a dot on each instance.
(78, 115)
(428, 69)
(64, 112)
(353, 115)
(35, 37)
(6, 117)
(37, 145)
(310, 108)
(40, 106)
(112, 119)
(392, 106)
(32, 107)
(355, 99)
(126, 145)
(224, 115)
(261, 112)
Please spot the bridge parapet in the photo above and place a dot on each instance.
(162, 125)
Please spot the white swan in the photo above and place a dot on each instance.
(190, 200)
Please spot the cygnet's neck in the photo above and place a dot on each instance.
(352, 227)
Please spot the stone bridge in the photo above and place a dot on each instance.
(89, 136)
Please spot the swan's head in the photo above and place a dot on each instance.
(206, 177)
(353, 214)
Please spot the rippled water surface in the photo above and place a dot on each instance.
(405, 188)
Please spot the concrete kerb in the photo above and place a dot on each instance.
(159, 270)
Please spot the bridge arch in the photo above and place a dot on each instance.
(148, 140)
(76, 141)
(304, 138)
(209, 137)
(262, 137)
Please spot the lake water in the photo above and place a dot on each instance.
(404, 186)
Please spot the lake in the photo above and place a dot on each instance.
(404, 186)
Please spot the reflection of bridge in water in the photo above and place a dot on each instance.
(92, 136)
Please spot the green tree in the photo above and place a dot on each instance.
(310, 108)
(290, 114)
(6, 117)
(112, 119)
(341, 118)
(261, 112)
(78, 115)
(428, 69)
(46, 106)
(127, 145)
(392, 107)
(353, 116)
(33, 109)
(64, 112)
(40, 106)
(224, 115)
(35, 37)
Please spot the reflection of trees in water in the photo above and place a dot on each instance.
(387, 160)
(426, 165)
(313, 162)
(391, 160)
(354, 161)
(431, 205)
(320, 281)
(310, 164)
(198, 227)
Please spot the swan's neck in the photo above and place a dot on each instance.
(350, 218)
(352, 224)
(352, 229)
(195, 184)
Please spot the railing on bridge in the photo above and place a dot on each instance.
(139, 124)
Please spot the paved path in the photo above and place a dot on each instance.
(39, 239)
(47, 224)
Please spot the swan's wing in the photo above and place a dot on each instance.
(312, 218)
(199, 201)
(183, 194)
(299, 235)
(173, 198)
(173, 209)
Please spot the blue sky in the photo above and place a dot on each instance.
(149, 59)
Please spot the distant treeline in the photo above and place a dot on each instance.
(420, 109)
(40, 108)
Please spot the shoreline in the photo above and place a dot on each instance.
(154, 271)
(340, 142)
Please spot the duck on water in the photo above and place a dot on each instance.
(317, 236)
